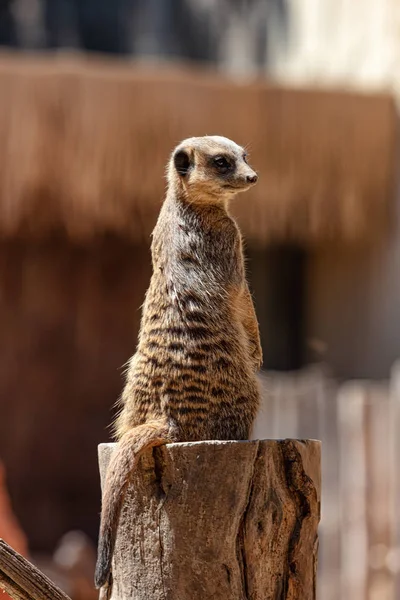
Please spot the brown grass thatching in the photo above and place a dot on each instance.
(84, 145)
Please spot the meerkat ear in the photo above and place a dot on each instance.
(182, 162)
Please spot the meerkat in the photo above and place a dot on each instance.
(193, 376)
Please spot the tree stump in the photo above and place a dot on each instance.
(219, 520)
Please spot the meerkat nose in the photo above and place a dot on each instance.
(252, 178)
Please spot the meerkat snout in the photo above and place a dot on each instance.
(252, 178)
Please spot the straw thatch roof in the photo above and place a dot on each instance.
(84, 145)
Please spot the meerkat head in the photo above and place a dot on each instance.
(210, 168)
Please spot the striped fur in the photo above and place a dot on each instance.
(193, 376)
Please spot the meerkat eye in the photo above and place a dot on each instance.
(245, 158)
(222, 164)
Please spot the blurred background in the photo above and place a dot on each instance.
(94, 94)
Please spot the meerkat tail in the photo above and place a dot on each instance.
(122, 463)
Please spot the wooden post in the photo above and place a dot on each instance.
(221, 520)
(353, 492)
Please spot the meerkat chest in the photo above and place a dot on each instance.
(211, 246)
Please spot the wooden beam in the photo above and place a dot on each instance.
(22, 580)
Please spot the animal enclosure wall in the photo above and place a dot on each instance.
(277, 276)
(353, 298)
(69, 317)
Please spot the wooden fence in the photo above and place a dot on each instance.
(359, 425)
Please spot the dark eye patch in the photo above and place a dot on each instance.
(223, 164)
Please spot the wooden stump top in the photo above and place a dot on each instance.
(225, 520)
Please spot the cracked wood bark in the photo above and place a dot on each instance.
(220, 520)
